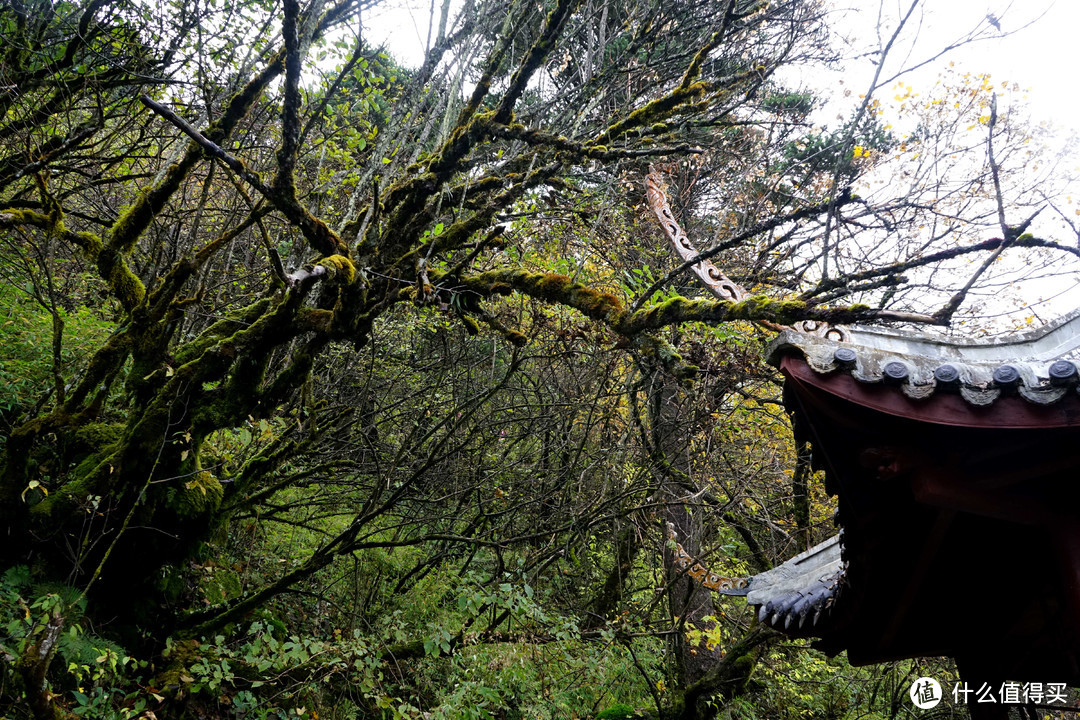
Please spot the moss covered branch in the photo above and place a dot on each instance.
(88, 242)
(607, 308)
(553, 27)
(578, 150)
(653, 112)
(551, 287)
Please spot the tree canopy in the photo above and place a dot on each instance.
(341, 385)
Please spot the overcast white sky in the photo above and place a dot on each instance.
(1036, 47)
(1041, 57)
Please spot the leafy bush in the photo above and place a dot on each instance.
(26, 339)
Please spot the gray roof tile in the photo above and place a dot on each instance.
(801, 590)
(921, 363)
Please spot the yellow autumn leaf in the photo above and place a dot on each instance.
(33, 485)
(860, 151)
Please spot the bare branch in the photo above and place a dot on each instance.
(853, 127)
(1009, 234)
(209, 147)
(316, 231)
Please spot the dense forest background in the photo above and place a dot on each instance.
(334, 388)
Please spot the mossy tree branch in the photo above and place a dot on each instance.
(607, 308)
(541, 48)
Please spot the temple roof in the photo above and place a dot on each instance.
(954, 464)
(1034, 365)
(799, 594)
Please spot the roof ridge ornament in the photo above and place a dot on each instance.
(715, 281)
(710, 276)
(685, 562)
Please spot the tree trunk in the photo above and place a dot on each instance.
(689, 602)
(726, 678)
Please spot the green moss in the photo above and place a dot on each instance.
(84, 468)
(316, 320)
(325, 240)
(789, 307)
(758, 307)
(197, 495)
(123, 283)
(471, 326)
(129, 223)
(475, 187)
(657, 110)
(553, 286)
(89, 242)
(229, 325)
(137, 216)
(561, 289)
(762, 307)
(92, 476)
(98, 436)
(618, 712)
(339, 268)
(661, 352)
(672, 310)
(12, 216)
(222, 585)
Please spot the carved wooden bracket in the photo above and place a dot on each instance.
(698, 572)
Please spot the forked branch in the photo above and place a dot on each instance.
(1009, 234)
